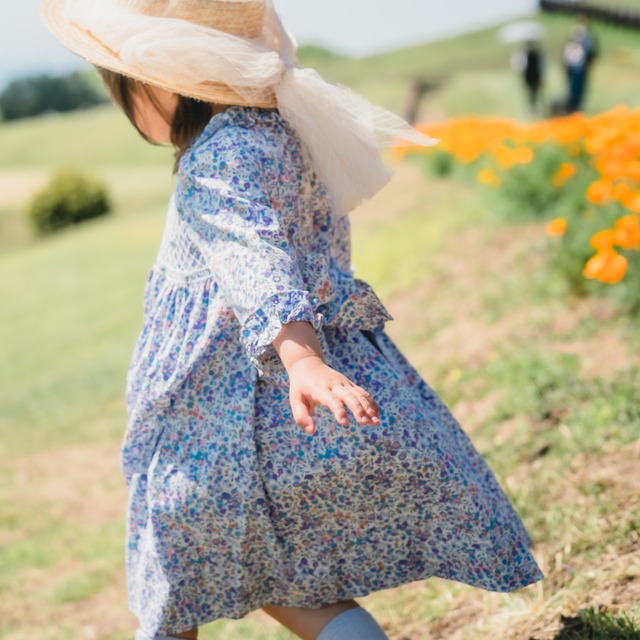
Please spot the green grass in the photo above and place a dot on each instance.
(72, 305)
(99, 136)
(592, 624)
(409, 243)
(81, 587)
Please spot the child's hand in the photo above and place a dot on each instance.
(313, 382)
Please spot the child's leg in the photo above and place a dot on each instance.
(336, 621)
(307, 623)
(354, 624)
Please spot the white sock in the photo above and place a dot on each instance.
(353, 624)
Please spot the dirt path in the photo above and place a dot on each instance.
(16, 186)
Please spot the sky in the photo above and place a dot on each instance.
(352, 27)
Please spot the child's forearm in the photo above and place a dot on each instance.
(296, 341)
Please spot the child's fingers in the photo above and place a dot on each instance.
(355, 404)
(367, 402)
(356, 400)
(336, 405)
(302, 415)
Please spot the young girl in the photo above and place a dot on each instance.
(250, 486)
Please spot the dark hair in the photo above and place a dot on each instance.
(187, 122)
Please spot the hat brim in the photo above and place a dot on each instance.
(84, 44)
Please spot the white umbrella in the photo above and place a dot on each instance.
(522, 31)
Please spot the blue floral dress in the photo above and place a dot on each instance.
(232, 506)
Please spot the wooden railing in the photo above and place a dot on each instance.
(622, 16)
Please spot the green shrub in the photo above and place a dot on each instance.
(71, 197)
(570, 253)
(629, 288)
(529, 191)
(435, 162)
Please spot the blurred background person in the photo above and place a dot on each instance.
(578, 56)
(530, 63)
(528, 59)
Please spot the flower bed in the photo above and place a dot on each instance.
(580, 174)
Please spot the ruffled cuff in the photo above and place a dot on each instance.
(263, 326)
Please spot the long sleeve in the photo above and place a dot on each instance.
(227, 192)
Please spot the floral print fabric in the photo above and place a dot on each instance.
(232, 506)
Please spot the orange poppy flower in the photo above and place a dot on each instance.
(627, 232)
(523, 155)
(622, 191)
(606, 266)
(557, 227)
(632, 201)
(603, 240)
(489, 178)
(565, 172)
(599, 192)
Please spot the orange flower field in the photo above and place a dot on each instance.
(607, 144)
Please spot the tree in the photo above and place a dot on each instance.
(34, 95)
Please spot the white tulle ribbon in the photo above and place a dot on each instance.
(342, 133)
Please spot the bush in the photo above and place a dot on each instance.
(70, 198)
(529, 191)
(437, 163)
(569, 253)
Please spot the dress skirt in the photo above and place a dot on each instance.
(231, 511)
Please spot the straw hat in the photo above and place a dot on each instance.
(242, 18)
(238, 52)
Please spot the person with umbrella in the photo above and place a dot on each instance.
(529, 60)
(532, 69)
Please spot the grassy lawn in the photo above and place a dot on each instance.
(546, 384)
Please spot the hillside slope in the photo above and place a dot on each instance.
(546, 385)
